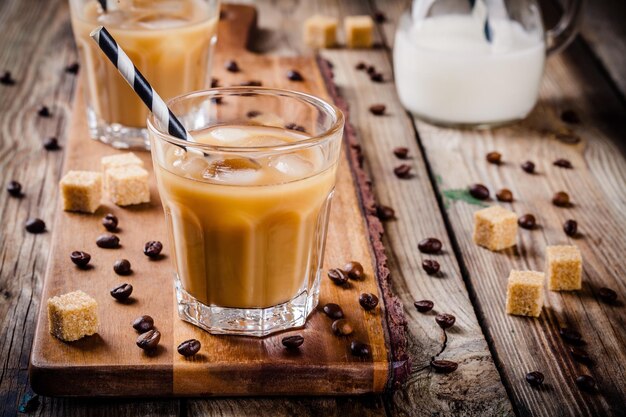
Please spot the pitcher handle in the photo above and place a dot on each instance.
(565, 30)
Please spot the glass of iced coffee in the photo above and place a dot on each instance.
(247, 204)
(170, 42)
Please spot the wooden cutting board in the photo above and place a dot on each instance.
(110, 364)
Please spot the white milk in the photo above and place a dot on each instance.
(446, 70)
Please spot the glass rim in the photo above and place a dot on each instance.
(313, 140)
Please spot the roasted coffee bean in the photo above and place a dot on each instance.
(110, 222)
(402, 171)
(563, 163)
(586, 383)
(231, 66)
(443, 366)
(108, 241)
(51, 144)
(479, 191)
(528, 167)
(293, 342)
(215, 83)
(143, 323)
(607, 295)
(378, 109)
(368, 301)
(570, 227)
(153, 248)
(580, 355)
(570, 116)
(567, 137)
(360, 66)
(14, 189)
(7, 79)
(534, 378)
(561, 199)
(385, 213)
(334, 311)
(189, 347)
(44, 111)
(429, 245)
(73, 68)
(527, 221)
(294, 75)
(505, 195)
(293, 126)
(217, 99)
(570, 336)
(337, 276)
(445, 320)
(494, 158)
(401, 152)
(377, 77)
(149, 340)
(342, 327)
(34, 225)
(122, 267)
(379, 17)
(252, 114)
(80, 258)
(359, 349)
(430, 266)
(424, 305)
(354, 270)
(251, 83)
(122, 292)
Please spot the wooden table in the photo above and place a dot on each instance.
(494, 350)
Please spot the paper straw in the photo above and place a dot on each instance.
(108, 5)
(480, 11)
(136, 80)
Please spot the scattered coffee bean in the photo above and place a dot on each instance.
(534, 378)
(505, 195)
(561, 199)
(370, 70)
(293, 342)
(217, 99)
(445, 320)
(7, 79)
(527, 221)
(580, 355)
(108, 241)
(570, 336)
(607, 295)
(122, 292)
(189, 347)
(354, 270)
(567, 137)
(34, 225)
(143, 323)
(252, 114)
(479, 191)
(44, 111)
(368, 301)
(337, 276)
(14, 189)
(110, 222)
(359, 349)
(149, 340)
(342, 327)
(430, 266)
(570, 227)
(153, 248)
(251, 83)
(385, 213)
(51, 144)
(430, 245)
(402, 171)
(293, 126)
(80, 258)
(361, 66)
(378, 109)
(231, 66)
(494, 158)
(215, 83)
(401, 152)
(379, 17)
(570, 116)
(73, 68)
(528, 167)
(586, 383)
(377, 77)
(122, 267)
(443, 366)
(294, 75)
(333, 311)
(563, 163)
(424, 306)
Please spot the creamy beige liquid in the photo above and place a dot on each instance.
(168, 40)
(246, 232)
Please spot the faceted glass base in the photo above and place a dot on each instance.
(115, 134)
(257, 322)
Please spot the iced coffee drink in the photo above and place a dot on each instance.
(170, 42)
(247, 211)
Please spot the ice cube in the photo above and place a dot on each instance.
(194, 167)
(159, 21)
(229, 135)
(263, 140)
(233, 170)
(292, 165)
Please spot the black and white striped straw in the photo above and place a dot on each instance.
(137, 81)
(108, 5)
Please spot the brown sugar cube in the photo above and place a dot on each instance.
(495, 228)
(320, 31)
(359, 31)
(524, 294)
(72, 316)
(81, 191)
(564, 266)
(128, 185)
(118, 160)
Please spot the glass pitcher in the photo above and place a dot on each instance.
(475, 63)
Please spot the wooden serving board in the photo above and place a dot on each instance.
(110, 364)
